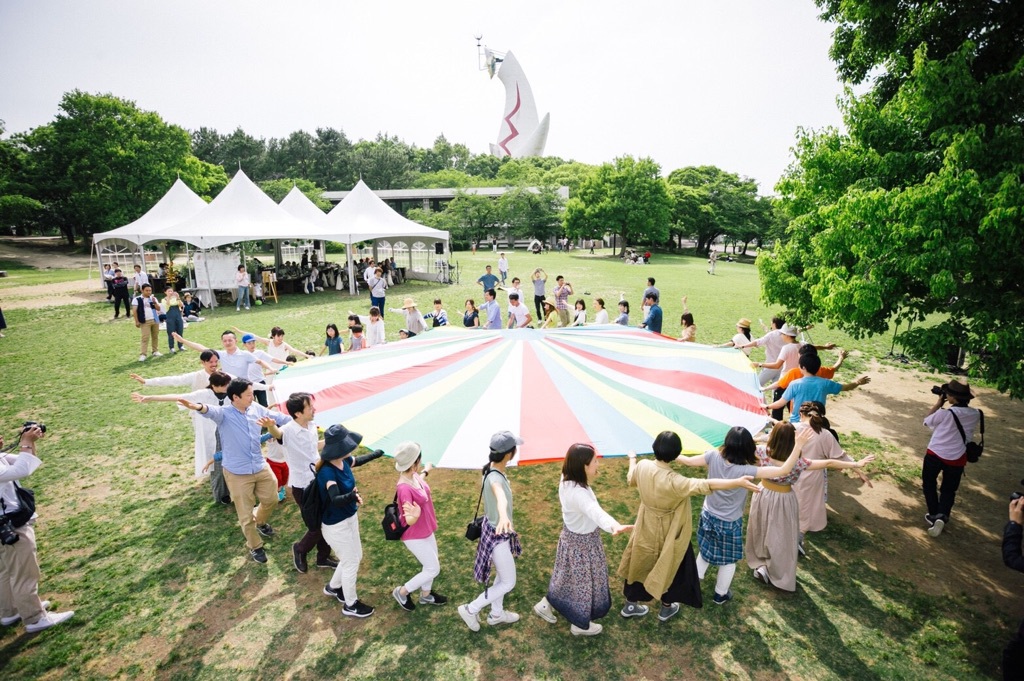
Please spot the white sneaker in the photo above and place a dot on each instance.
(471, 620)
(936, 529)
(507, 617)
(593, 630)
(543, 611)
(14, 619)
(173, 350)
(49, 619)
(142, 358)
(157, 353)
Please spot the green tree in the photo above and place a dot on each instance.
(17, 208)
(628, 198)
(278, 189)
(103, 162)
(485, 165)
(291, 157)
(384, 163)
(240, 150)
(443, 156)
(918, 208)
(473, 217)
(331, 165)
(531, 214)
(708, 202)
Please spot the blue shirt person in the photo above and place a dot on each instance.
(488, 280)
(652, 322)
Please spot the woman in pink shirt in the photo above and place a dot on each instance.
(417, 514)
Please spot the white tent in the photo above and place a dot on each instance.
(362, 216)
(178, 204)
(299, 205)
(241, 212)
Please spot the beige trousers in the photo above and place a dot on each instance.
(19, 578)
(150, 333)
(245, 490)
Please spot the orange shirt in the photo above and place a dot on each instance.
(793, 374)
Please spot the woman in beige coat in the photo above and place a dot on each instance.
(659, 559)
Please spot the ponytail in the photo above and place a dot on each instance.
(814, 416)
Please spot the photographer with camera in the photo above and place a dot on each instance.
(19, 569)
(952, 429)
(1013, 653)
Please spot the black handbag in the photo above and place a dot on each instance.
(392, 525)
(26, 506)
(475, 527)
(974, 449)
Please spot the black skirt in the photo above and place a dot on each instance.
(685, 586)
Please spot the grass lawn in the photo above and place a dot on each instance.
(163, 587)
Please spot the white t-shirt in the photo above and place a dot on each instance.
(946, 442)
(790, 356)
(740, 339)
(300, 450)
(519, 313)
(502, 264)
(601, 317)
(772, 344)
(255, 370)
(373, 332)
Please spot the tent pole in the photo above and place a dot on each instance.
(351, 268)
(209, 286)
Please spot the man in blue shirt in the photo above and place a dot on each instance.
(488, 280)
(246, 472)
(493, 310)
(812, 388)
(652, 322)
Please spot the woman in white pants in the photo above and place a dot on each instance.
(416, 512)
(499, 544)
(340, 527)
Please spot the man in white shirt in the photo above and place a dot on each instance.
(502, 267)
(256, 374)
(302, 447)
(519, 315)
(516, 289)
(139, 279)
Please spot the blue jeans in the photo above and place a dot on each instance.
(243, 297)
(378, 303)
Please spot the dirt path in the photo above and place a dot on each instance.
(47, 253)
(967, 557)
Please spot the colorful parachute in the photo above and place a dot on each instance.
(450, 389)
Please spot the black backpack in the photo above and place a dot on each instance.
(312, 504)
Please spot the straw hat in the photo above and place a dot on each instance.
(743, 323)
(409, 303)
(550, 302)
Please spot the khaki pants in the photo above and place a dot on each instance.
(150, 333)
(563, 318)
(19, 578)
(245, 490)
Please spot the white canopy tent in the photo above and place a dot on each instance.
(362, 216)
(179, 203)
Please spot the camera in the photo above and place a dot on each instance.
(7, 534)
(1014, 496)
(29, 424)
(939, 390)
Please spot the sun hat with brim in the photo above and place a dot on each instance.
(339, 441)
(408, 303)
(743, 323)
(790, 330)
(550, 301)
(504, 441)
(958, 389)
(406, 455)
(248, 338)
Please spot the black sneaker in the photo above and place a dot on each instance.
(334, 593)
(326, 563)
(357, 609)
(258, 555)
(265, 529)
(433, 599)
(404, 601)
(299, 558)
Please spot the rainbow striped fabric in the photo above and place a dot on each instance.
(451, 388)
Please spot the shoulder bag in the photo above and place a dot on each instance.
(974, 449)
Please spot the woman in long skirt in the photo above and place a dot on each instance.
(812, 488)
(579, 583)
(659, 560)
(773, 528)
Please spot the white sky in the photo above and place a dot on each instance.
(687, 82)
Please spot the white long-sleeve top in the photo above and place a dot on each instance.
(580, 511)
(373, 332)
(197, 380)
(15, 467)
